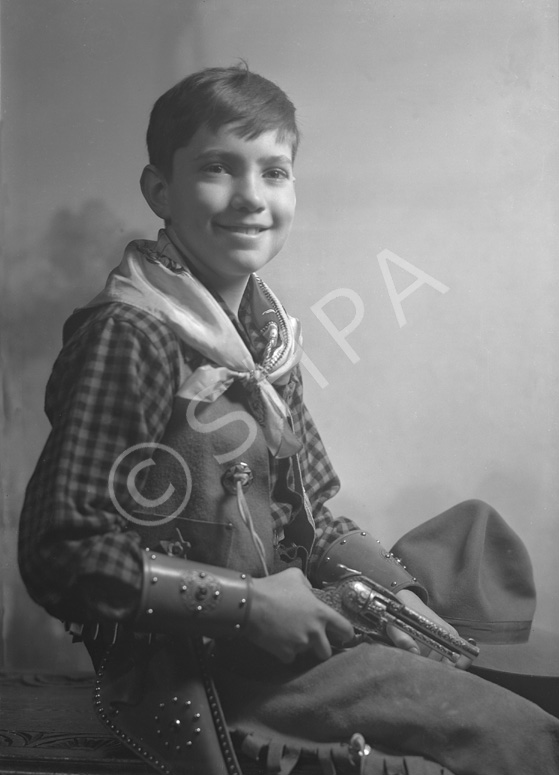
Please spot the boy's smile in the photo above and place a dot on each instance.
(230, 203)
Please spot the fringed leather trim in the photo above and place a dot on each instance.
(280, 757)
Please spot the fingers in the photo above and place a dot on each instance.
(287, 619)
(330, 628)
(321, 647)
(316, 642)
(463, 663)
(405, 642)
(401, 640)
(338, 628)
(411, 600)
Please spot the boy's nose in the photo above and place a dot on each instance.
(248, 195)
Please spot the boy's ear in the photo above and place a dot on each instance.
(154, 188)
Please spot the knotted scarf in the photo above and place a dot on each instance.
(153, 276)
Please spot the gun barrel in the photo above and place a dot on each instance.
(377, 607)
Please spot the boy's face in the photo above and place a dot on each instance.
(231, 202)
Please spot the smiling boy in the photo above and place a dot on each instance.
(188, 355)
(228, 203)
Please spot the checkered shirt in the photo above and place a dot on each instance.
(112, 387)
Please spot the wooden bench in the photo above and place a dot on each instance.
(48, 727)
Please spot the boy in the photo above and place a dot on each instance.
(188, 358)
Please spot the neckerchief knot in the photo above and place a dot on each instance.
(152, 276)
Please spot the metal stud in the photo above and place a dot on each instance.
(154, 580)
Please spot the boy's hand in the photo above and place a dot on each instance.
(287, 619)
(403, 641)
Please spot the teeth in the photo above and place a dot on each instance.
(251, 230)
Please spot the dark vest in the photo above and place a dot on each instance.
(190, 477)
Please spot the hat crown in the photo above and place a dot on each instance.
(477, 571)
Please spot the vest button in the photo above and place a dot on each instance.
(239, 472)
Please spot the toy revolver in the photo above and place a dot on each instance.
(370, 608)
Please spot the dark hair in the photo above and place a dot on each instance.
(214, 97)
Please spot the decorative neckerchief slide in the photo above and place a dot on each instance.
(152, 276)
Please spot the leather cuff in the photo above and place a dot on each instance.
(192, 597)
(359, 551)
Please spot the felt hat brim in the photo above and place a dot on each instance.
(529, 669)
(539, 656)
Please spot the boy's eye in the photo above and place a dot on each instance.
(278, 174)
(215, 168)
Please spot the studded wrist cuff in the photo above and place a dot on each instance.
(359, 551)
(198, 599)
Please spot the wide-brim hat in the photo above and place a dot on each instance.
(479, 577)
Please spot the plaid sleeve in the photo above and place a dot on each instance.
(319, 478)
(111, 389)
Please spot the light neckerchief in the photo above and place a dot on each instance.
(153, 277)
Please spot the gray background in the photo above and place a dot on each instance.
(429, 130)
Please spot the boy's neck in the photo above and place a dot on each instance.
(230, 290)
(231, 293)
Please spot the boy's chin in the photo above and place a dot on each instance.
(247, 264)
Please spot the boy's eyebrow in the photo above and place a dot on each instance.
(282, 159)
(212, 152)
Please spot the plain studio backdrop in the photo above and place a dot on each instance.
(422, 261)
